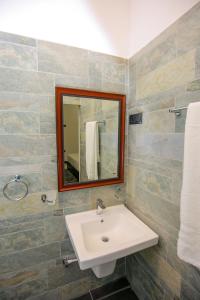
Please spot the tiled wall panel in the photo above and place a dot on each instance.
(33, 236)
(162, 75)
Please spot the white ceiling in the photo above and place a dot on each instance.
(148, 18)
(118, 27)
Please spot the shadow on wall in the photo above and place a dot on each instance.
(115, 30)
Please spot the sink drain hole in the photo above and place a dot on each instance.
(105, 239)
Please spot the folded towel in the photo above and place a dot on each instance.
(189, 234)
(92, 150)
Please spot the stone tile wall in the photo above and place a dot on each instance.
(33, 237)
(164, 74)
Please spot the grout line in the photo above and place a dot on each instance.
(17, 44)
(61, 75)
(19, 111)
(37, 69)
(46, 243)
(18, 68)
(25, 230)
(23, 134)
(26, 93)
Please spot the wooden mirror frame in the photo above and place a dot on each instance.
(60, 92)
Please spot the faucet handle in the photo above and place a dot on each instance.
(99, 200)
(100, 203)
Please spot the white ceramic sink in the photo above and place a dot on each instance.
(99, 240)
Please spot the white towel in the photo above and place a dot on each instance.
(92, 150)
(189, 234)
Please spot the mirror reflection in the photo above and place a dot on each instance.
(90, 139)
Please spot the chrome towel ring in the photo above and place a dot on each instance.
(17, 179)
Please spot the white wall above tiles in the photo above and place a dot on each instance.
(98, 25)
(118, 27)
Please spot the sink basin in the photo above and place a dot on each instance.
(99, 240)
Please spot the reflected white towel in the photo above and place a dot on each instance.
(92, 150)
(189, 234)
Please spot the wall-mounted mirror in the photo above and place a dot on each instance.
(90, 138)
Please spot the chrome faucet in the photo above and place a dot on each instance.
(100, 206)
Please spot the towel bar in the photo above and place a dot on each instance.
(177, 110)
(99, 122)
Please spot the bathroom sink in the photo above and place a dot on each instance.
(99, 240)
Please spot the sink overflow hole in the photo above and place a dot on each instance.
(105, 239)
